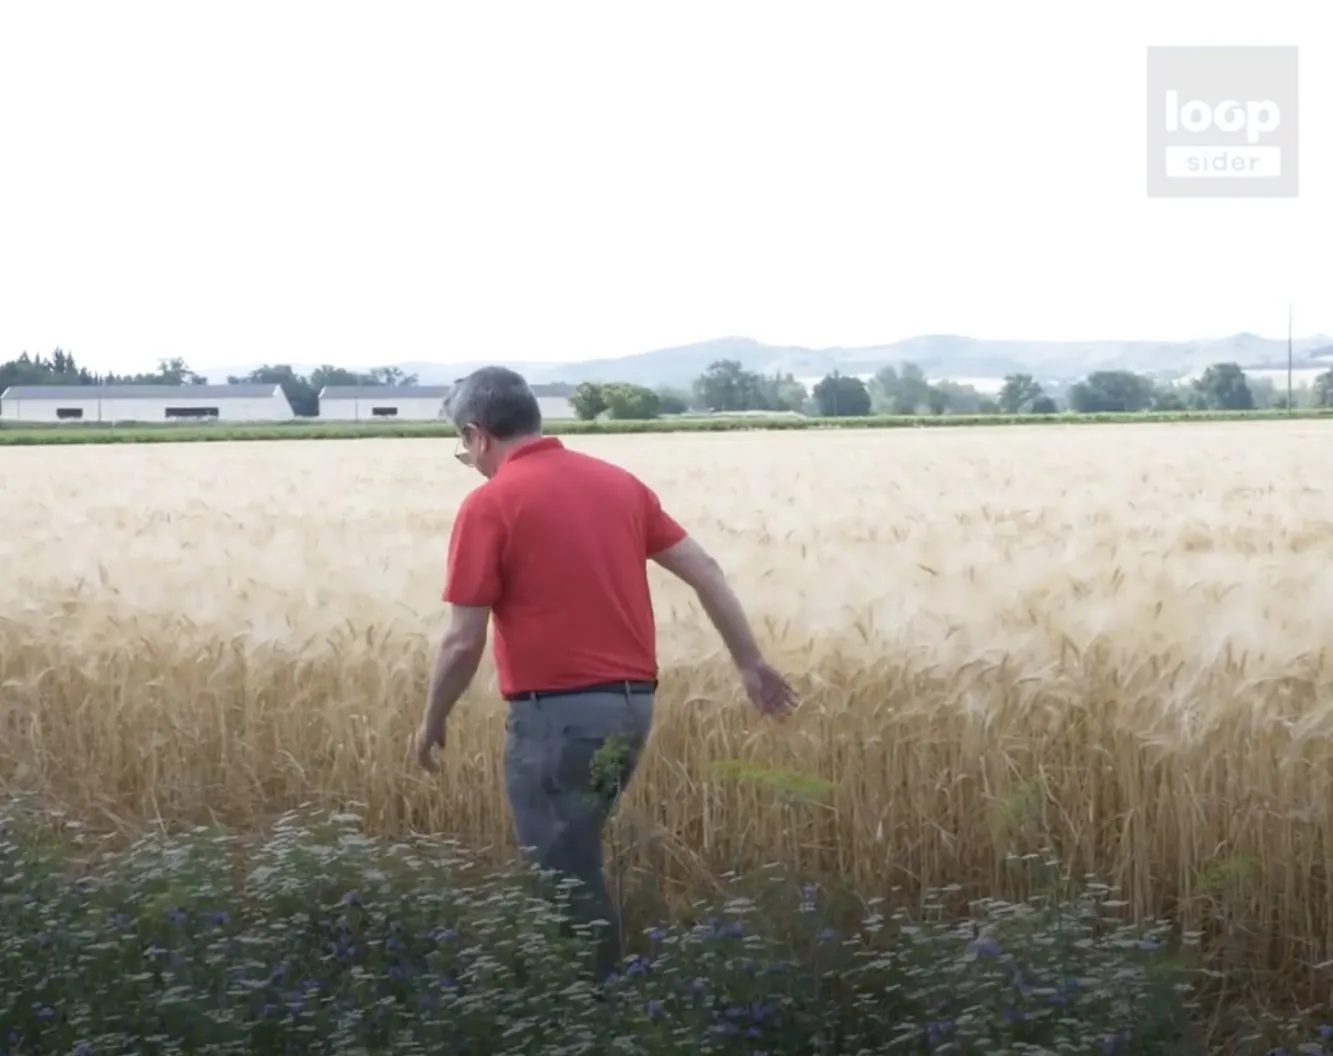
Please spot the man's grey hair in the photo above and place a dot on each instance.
(498, 400)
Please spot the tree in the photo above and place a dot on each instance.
(300, 393)
(587, 401)
(1018, 393)
(627, 402)
(391, 376)
(1043, 404)
(727, 386)
(1321, 391)
(326, 375)
(1265, 393)
(840, 396)
(781, 392)
(957, 398)
(1223, 387)
(903, 390)
(1111, 391)
(1167, 398)
(672, 402)
(60, 369)
(172, 371)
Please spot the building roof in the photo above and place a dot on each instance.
(137, 392)
(385, 392)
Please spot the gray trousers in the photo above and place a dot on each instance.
(567, 759)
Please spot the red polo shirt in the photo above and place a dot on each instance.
(556, 544)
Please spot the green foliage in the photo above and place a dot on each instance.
(627, 402)
(671, 402)
(1111, 391)
(62, 369)
(903, 390)
(1322, 390)
(610, 768)
(329, 375)
(621, 400)
(1168, 398)
(587, 401)
(1020, 393)
(726, 386)
(841, 396)
(319, 939)
(1223, 387)
(300, 393)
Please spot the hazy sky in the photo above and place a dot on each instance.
(363, 183)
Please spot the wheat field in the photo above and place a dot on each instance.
(1108, 640)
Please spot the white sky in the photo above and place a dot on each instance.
(372, 182)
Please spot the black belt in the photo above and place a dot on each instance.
(624, 686)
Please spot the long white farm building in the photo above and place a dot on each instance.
(144, 403)
(374, 403)
(411, 403)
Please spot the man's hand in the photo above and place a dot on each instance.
(768, 691)
(427, 740)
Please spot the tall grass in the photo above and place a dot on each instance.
(1108, 642)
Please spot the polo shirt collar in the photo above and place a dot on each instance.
(532, 447)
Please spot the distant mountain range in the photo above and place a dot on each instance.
(940, 356)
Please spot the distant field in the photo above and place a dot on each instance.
(27, 433)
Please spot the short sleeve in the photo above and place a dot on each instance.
(661, 531)
(476, 544)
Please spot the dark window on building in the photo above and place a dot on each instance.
(384, 412)
(69, 412)
(192, 412)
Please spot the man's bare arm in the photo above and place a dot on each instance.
(456, 663)
(693, 565)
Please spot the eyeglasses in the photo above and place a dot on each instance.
(462, 454)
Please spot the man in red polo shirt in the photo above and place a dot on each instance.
(553, 548)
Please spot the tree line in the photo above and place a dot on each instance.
(905, 390)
